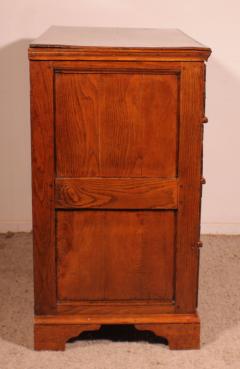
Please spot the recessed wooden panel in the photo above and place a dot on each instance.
(116, 124)
(116, 193)
(115, 255)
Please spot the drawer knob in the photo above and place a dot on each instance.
(198, 245)
(205, 120)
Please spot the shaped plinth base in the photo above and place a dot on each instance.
(181, 330)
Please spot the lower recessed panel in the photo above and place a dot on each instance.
(115, 255)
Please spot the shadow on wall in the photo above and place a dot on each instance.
(221, 200)
(15, 194)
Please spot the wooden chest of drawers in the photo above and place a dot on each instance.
(117, 127)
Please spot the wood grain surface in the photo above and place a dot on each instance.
(117, 308)
(188, 230)
(111, 255)
(67, 319)
(43, 187)
(116, 124)
(116, 193)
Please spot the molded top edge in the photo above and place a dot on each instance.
(77, 37)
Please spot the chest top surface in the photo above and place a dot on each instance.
(57, 36)
(118, 40)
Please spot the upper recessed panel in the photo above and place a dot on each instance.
(116, 124)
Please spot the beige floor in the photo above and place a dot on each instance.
(219, 306)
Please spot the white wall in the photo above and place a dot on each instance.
(215, 23)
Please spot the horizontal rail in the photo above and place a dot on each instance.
(116, 193)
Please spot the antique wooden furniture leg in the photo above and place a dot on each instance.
(180, 336)
(54, 337)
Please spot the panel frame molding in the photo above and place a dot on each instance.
(44, 249)
(127, 67)
(155, 304)
(118, 53)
